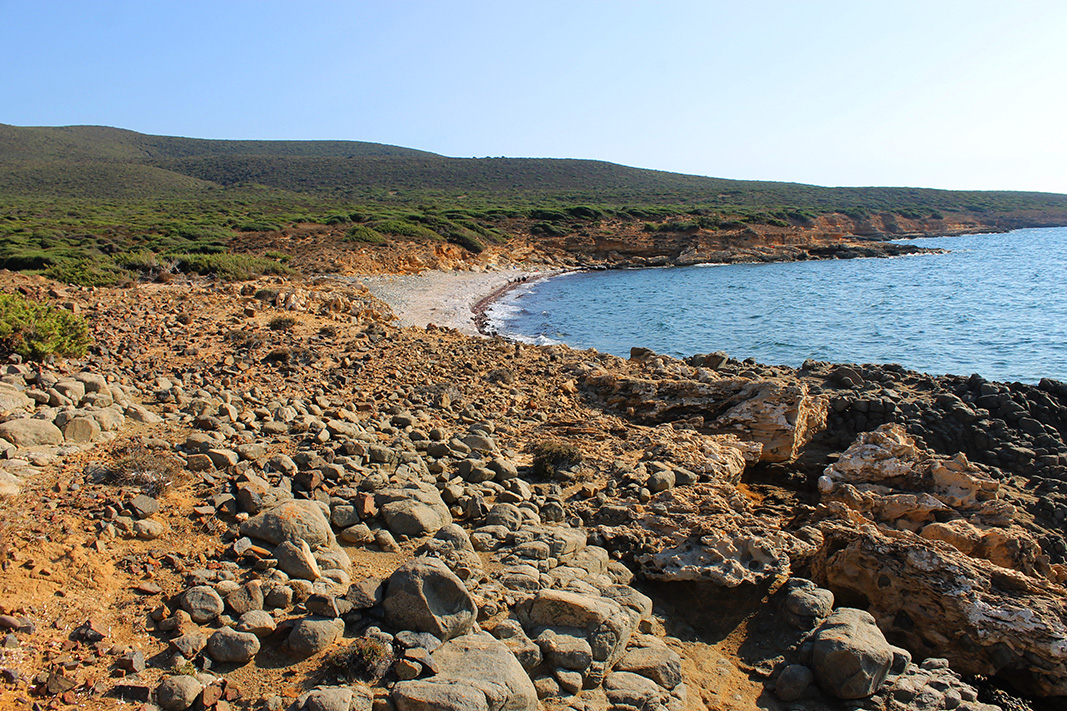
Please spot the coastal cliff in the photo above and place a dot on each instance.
(612, 244)
(267, 495)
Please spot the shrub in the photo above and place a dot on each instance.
(135, 465)
(549, 458)
(233, 267)
(87, 272)
(468, 240)
(404, 228)
(584, 212)
(362, 233)
(36, 331)
(547, 215)
(547, 229)
(258, 226)
(282, 323)
(366, 659)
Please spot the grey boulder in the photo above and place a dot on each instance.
(425, 596)
(850, 656)
(475, 671)
(232, 647)
(312, 635)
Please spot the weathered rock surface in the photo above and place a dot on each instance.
(940, 603)
(425, 596)
(474, 671)
(291, 521)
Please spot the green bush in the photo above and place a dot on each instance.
(362, 233)
(36, 331)
(258, 226)
(467, 239)
(87, 272)
(232, 267)
(547, 229)
(404, 228)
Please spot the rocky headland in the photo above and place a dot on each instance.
(270, 495)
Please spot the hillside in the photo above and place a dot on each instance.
(371, 171)
(95, 205)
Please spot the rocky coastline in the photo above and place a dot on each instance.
(271, 496)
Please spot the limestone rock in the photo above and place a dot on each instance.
(983, 618)
(886, 477)
(707, 532)
(606, 625)
(781, 416)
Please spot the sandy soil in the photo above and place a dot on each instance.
(443, 298)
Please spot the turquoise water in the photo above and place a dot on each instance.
(995, 305)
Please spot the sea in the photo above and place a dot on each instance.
(993, 304)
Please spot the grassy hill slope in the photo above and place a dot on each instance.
(92, 204)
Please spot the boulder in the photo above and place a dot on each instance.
(302, 520)
(475, 671)
(657, 662)
(12, 399)
(312, 635)
(849, 655)
(425, 596)
(296, 560)
(81, 430)
(605, 624)
(452, 545)
(414, 511)
(232, 647)
(177, 693)
(202, 603)
(31, 433)
(806, 604)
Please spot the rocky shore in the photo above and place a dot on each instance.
(271, 496)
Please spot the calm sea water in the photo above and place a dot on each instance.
(995, 305)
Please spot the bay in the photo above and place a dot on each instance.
(995, 304)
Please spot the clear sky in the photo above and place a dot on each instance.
(939, 93)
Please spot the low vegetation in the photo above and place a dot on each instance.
(38, 331)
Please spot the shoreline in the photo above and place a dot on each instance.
(457, 300)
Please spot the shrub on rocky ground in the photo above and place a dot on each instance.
(549, 458)
(136, 465)
(366, 659)
(36, 331)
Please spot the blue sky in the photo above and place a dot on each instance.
(941, 93)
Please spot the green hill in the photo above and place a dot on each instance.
(92, 204)
(89, 143)
(83, 162)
